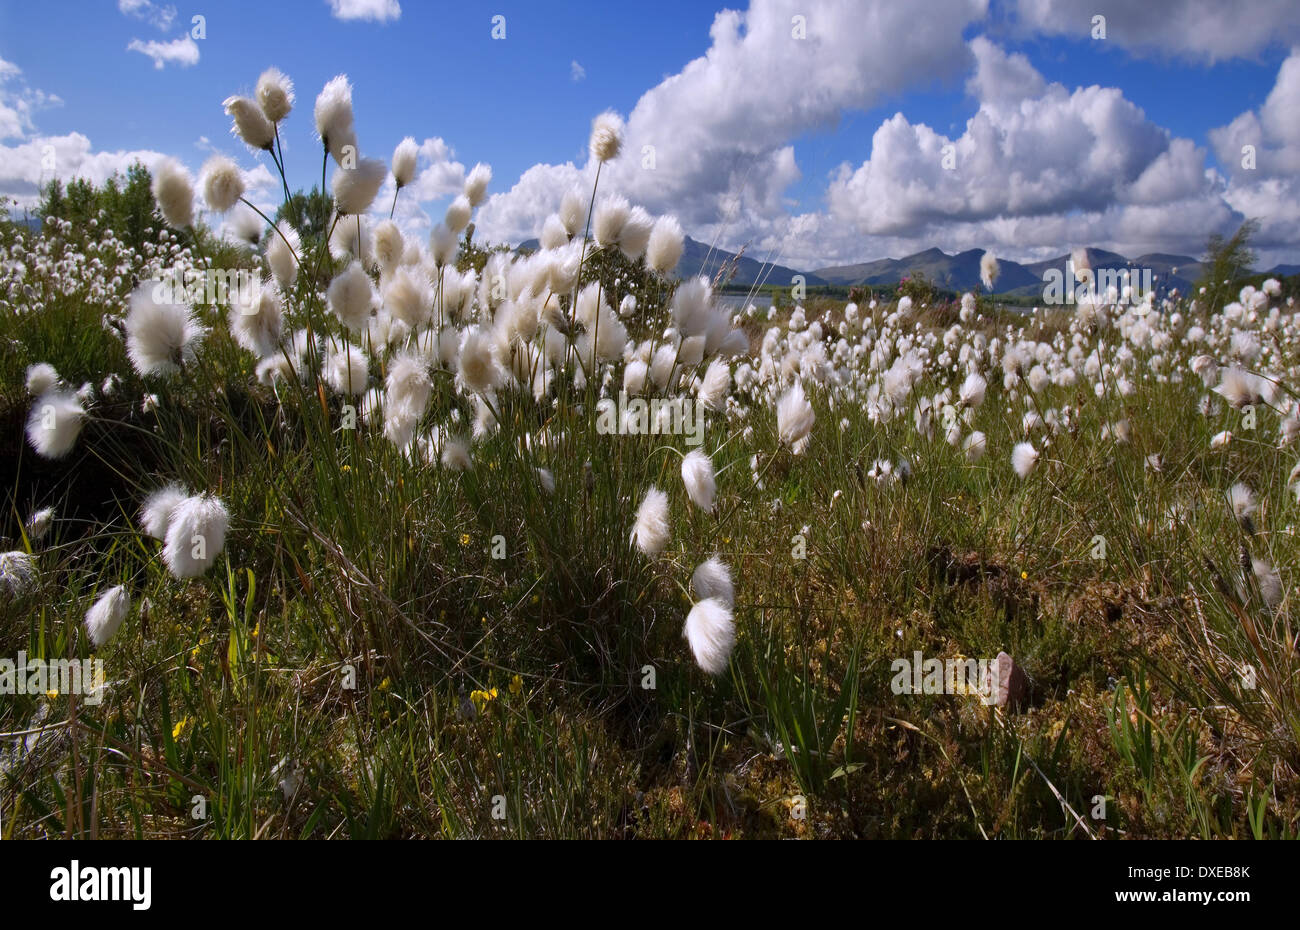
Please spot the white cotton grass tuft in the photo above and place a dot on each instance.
(443, 245)
(1242, 388)
(405, 158)
(1244, 505)
(38, 524)
(223, 183)
(711, 632)
(989, 270)
(17, 573)
(159, 337)
(650, 532)
(573, 212)
(972, 390)
(156, 513)
(1023, 459)
(333, 113)
(282, 250)
(196, 534)
(349, 297)
(55, 422)
(974, 446)
(478, 368)
(476, 184)
(635, 234)
(607, 222)
(257, 321)
(458, 214)
(794, 417)
(697, 475)
(106, 615)
(390, 246)
(173, 189)
(714, 386)
(1269, 582)
(606, 136)
(347, 370)
(245, 226)
(455, 455)
(546, 479)
(274, 94)
(667, 242)
(40, 378)
(251, 123)
(712, 578)
(355, 189)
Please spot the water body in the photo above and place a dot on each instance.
(740, 301)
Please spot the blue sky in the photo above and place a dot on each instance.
(763, 143)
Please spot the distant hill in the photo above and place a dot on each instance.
(697, 259)
(959, 272)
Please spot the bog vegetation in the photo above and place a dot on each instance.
(359, 563)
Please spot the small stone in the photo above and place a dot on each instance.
(1005, 684)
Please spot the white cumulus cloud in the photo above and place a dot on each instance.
(183, 51)
(379, 11)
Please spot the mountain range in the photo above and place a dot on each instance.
(958, 272)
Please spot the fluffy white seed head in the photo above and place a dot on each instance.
(711, 632)
(989, 270)
(606, 136)
(350, 295)
(274, 94)
(156, 513)
(794, 416)
(715, 385)
(650, 531)
(1242, 500)
(972, 390)
(347, 370)
(251, 123)
(106, 615)
(355, 188)
(1023, 459)
(334, 121)
(458, 214)
(17, 573)
(223, 183)
(257, 323)
(38, 524)
(55, 422)
(159, 337)
(667, 241)
(283, 247)
(476, 184)
(40, 378)
(478, 368)
(697, 475)
(712, 578)
(573, 212)
(404, 161)
(443, 245)
(173, 189)
(196, 535)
